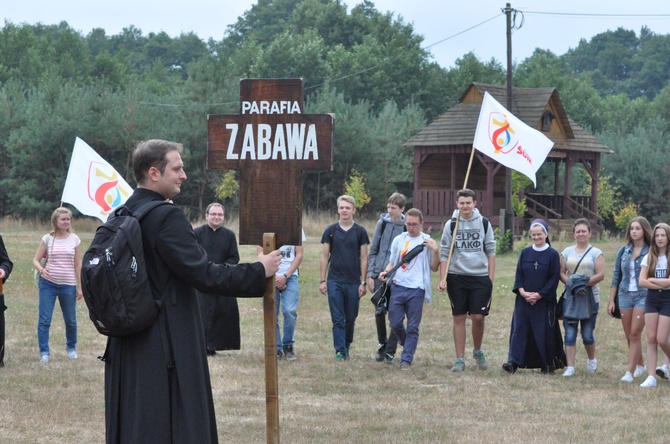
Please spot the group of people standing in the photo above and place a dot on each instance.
(175, 404)
(640, 295)
(400, 262)
(466, 262)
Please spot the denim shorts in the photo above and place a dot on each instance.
(629, 300)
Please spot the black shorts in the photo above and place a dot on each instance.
(658, 301)
(469, 294)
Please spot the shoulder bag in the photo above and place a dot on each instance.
(43, 262)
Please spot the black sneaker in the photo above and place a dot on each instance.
(289, 353)
(280, 355)
(381, 349)
(389, 358)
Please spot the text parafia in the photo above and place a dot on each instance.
(267, 107)
(284, 141)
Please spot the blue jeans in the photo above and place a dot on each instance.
(288, 299)
(343, 301)
(406, 301)
(67, 297)
(588, 326)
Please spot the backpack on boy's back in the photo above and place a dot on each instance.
(114, 277)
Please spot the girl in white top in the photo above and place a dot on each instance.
(60, 279)
(654, 277)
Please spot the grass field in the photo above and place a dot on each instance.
(323, 401)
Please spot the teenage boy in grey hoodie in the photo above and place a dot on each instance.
(389, 225)
(469, 280)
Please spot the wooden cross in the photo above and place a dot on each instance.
(271, 142)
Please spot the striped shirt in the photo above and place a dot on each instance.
(60, 263)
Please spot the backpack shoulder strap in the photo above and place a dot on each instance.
(331, 235)
(147, 207)
(486, 224)
(381, 233)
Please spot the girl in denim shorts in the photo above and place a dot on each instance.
(631, 296)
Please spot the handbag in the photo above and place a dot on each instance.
(560, 306)
(43, 262)
(617, 310)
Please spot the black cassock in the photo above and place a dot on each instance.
(220, 315)
(149, 399)
(535, 337)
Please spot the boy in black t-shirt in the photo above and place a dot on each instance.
(344, 256)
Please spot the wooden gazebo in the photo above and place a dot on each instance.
(442, 152)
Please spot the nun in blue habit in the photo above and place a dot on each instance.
(535, 337)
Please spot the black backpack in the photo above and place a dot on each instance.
(114, 277)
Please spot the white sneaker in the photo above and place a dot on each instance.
(72, 354)
(570, 371)
(627, 377)
(592, 365)
(44, 359)
(639, 371)
(649, 382)
(662, 371)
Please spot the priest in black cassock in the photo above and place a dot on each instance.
(220, 315)
(535, 338)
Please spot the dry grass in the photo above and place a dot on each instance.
(360, 401)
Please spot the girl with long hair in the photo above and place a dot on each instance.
(654, 277)
(632, 297)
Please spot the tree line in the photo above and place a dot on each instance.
(365, 66)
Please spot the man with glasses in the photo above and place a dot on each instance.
(410, 284)
(220, 315)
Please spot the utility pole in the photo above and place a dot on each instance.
(509, 213)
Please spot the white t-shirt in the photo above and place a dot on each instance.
(587, 266)
(661, 266)
(287, 256)
(410, 275)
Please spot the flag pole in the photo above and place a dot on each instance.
(458, 217)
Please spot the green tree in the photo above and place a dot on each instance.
(635, 165)
(355, 187)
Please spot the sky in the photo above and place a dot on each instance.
(450, 28)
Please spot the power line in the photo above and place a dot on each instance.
(597, 15)
(398, 57)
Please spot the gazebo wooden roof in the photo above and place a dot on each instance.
(457, 126)
(452, 133)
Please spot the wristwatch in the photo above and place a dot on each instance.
(362, 282)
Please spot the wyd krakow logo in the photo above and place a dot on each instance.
(501, 134)
(104, 187)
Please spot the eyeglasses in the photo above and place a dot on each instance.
(412, 224)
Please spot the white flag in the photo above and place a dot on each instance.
(93, 186)
(509, 141)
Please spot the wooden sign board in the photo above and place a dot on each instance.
(271, 142)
